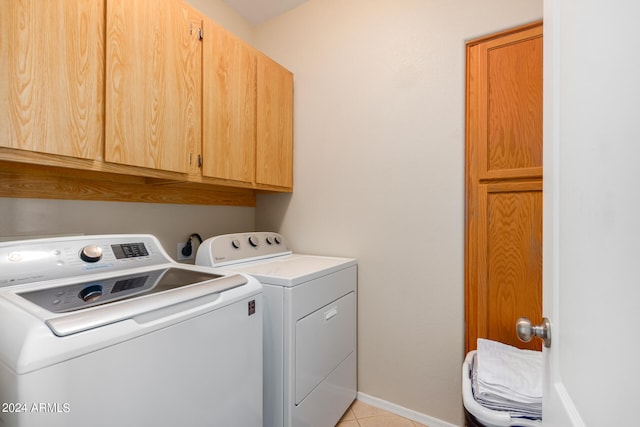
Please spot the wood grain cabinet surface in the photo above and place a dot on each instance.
(274, 149)
(153, 84)
(100, 87)
(52, 67)
(504, 185)
(229, 106)
(248, 111)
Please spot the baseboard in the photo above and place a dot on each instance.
(403, 412)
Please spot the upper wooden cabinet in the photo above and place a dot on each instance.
(114, 90)
(248, 113)
(229, 106)
(51, 62)
(274, 148)
(153, 84)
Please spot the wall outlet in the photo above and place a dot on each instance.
(180, 257)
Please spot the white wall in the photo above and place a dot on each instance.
(225, 16)
(28, 218)
(379, 174)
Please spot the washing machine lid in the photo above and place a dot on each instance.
(292, 270)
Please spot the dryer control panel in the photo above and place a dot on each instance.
(38, 260)
(232, 248)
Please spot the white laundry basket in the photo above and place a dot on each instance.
(485, 417)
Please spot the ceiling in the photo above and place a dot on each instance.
(259, 11)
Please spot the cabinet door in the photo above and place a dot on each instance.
(229, 106)
(274, 148)
(51, 62)
(504, 185)
(153, 84)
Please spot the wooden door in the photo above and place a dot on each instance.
(153, 84)
(274, 148)
(229, 106)
(52, 68)
(504, 184)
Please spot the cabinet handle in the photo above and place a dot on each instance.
(199, 161)
(200, 34)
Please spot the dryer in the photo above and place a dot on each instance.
(309, 325)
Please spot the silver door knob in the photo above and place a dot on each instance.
(526, 330)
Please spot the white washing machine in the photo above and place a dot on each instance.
(310, 325)
(110, 331)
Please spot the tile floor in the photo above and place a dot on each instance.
(362, 415)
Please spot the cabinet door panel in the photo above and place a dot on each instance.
(153, 84)
(229, 106)
(510, 270)
(510, 106)
(52, 61)
(274, 150)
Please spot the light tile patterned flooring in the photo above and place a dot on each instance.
(362, 415)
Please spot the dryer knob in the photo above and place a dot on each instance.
(253, 241)
(91, 253)
(277, 239)
(269, 241)
(235, 243)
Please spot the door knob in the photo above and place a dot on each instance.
(526, 330)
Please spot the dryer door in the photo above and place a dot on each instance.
(323, 340)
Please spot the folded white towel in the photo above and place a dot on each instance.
(511, 369)
(508, 378)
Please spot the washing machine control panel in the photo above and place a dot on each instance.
(56, 258)
(222, 250)
(83, 294)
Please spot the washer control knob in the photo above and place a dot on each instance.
(235, 243)
(253, 241)
(90, 293)
(269, 240)
(277, 240)
(91, 253)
